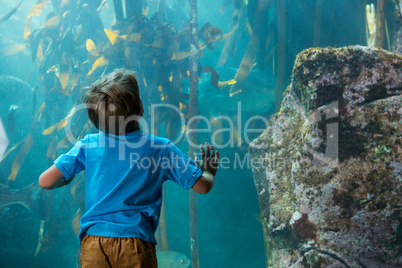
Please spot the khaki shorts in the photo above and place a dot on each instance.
(122, 252)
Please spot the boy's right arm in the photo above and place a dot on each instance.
(52, 178)
(209, 167)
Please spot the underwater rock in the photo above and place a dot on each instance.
(328, 169)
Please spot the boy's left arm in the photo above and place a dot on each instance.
(52, 178)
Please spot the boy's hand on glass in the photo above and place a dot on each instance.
(209, 159)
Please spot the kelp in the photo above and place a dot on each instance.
(51, 150)
(162, 222)
(40, 237)
(99, 62)
(9, 151)
(35, 11)
(380, 24)
(215, 78)
(69, 54)
(26, 147)
(60, 125)
(11, 13)
(256, 16)
(245, 66)
(208, 34)
(58, 220)
(281, 54)
(112, 35)
(238, 23)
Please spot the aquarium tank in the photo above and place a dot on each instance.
(302, 99)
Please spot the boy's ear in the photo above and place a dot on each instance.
(137, 117)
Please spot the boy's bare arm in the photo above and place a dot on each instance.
(52, 178)
(209, 167)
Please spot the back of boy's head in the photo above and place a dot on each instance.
(113, 103)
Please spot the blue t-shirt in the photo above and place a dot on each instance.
(123, 181)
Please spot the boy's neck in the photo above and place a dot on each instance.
(134, 126)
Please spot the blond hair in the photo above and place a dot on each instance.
(113, 102)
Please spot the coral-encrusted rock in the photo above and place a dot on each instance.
(328, 169)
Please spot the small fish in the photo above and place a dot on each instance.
(111, 35)
(12, 12)
(53, 22)
(49, 130)
(183, 55)
(9, 51)
(231, 82)
(226, 83)
(92, 48)
(135, 37)
(101, 61)
(172, 259)
(158, 43)
(64, 78)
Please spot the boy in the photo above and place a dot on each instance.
(124, 171)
